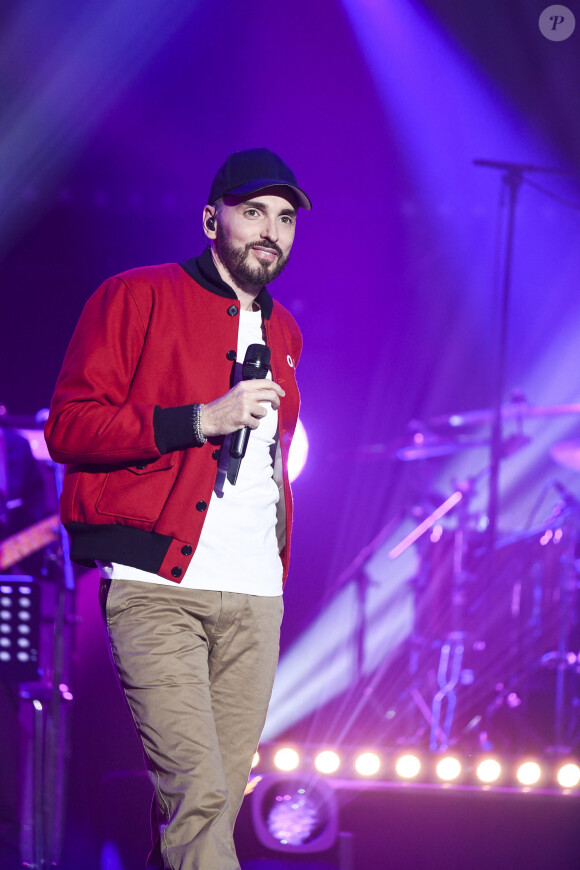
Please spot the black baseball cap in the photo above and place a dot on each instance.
(252, 170)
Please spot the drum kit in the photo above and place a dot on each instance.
(498, 614)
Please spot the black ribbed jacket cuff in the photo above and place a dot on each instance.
(173, 428)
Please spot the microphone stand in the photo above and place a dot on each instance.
(512, 179)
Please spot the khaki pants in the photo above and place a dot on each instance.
(197, 669)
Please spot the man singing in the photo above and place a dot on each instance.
(192, 564)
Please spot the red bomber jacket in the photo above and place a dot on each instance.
(148, 344)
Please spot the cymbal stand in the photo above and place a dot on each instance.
(565, 658)
(450, 667)
(415, 537)
(453, 646)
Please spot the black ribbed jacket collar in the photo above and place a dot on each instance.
(202, 269)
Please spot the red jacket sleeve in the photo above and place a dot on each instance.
(94, 416)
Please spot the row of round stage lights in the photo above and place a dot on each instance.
(448, 768)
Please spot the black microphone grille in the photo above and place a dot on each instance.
(256, 362)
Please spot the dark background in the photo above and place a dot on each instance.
(114, 118)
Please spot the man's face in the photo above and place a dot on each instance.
(254, 235)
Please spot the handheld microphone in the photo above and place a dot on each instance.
(255, 367)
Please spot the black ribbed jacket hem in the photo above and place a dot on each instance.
(115, 543)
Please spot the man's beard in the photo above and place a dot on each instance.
(246, 272)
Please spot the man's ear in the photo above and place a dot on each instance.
(209, 222)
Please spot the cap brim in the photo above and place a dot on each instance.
(255, 186)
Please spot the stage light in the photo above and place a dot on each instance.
(529, 773)
(488, 770)
(448, 768)
(286, 759)
(367, 764)
(327, 761)
(408, 766)
(569, 775)
(294, 814)
(255, 760)
(298, 452)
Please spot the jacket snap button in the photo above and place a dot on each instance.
(176, 572)
(231, 355)
(187, 550)
(141, 466)
(233, 310)
(216, 454)
(201, 506)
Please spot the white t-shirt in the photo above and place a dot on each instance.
(238, 548)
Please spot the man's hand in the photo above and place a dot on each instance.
(242, 406)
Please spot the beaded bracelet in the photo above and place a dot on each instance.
(198, 435)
